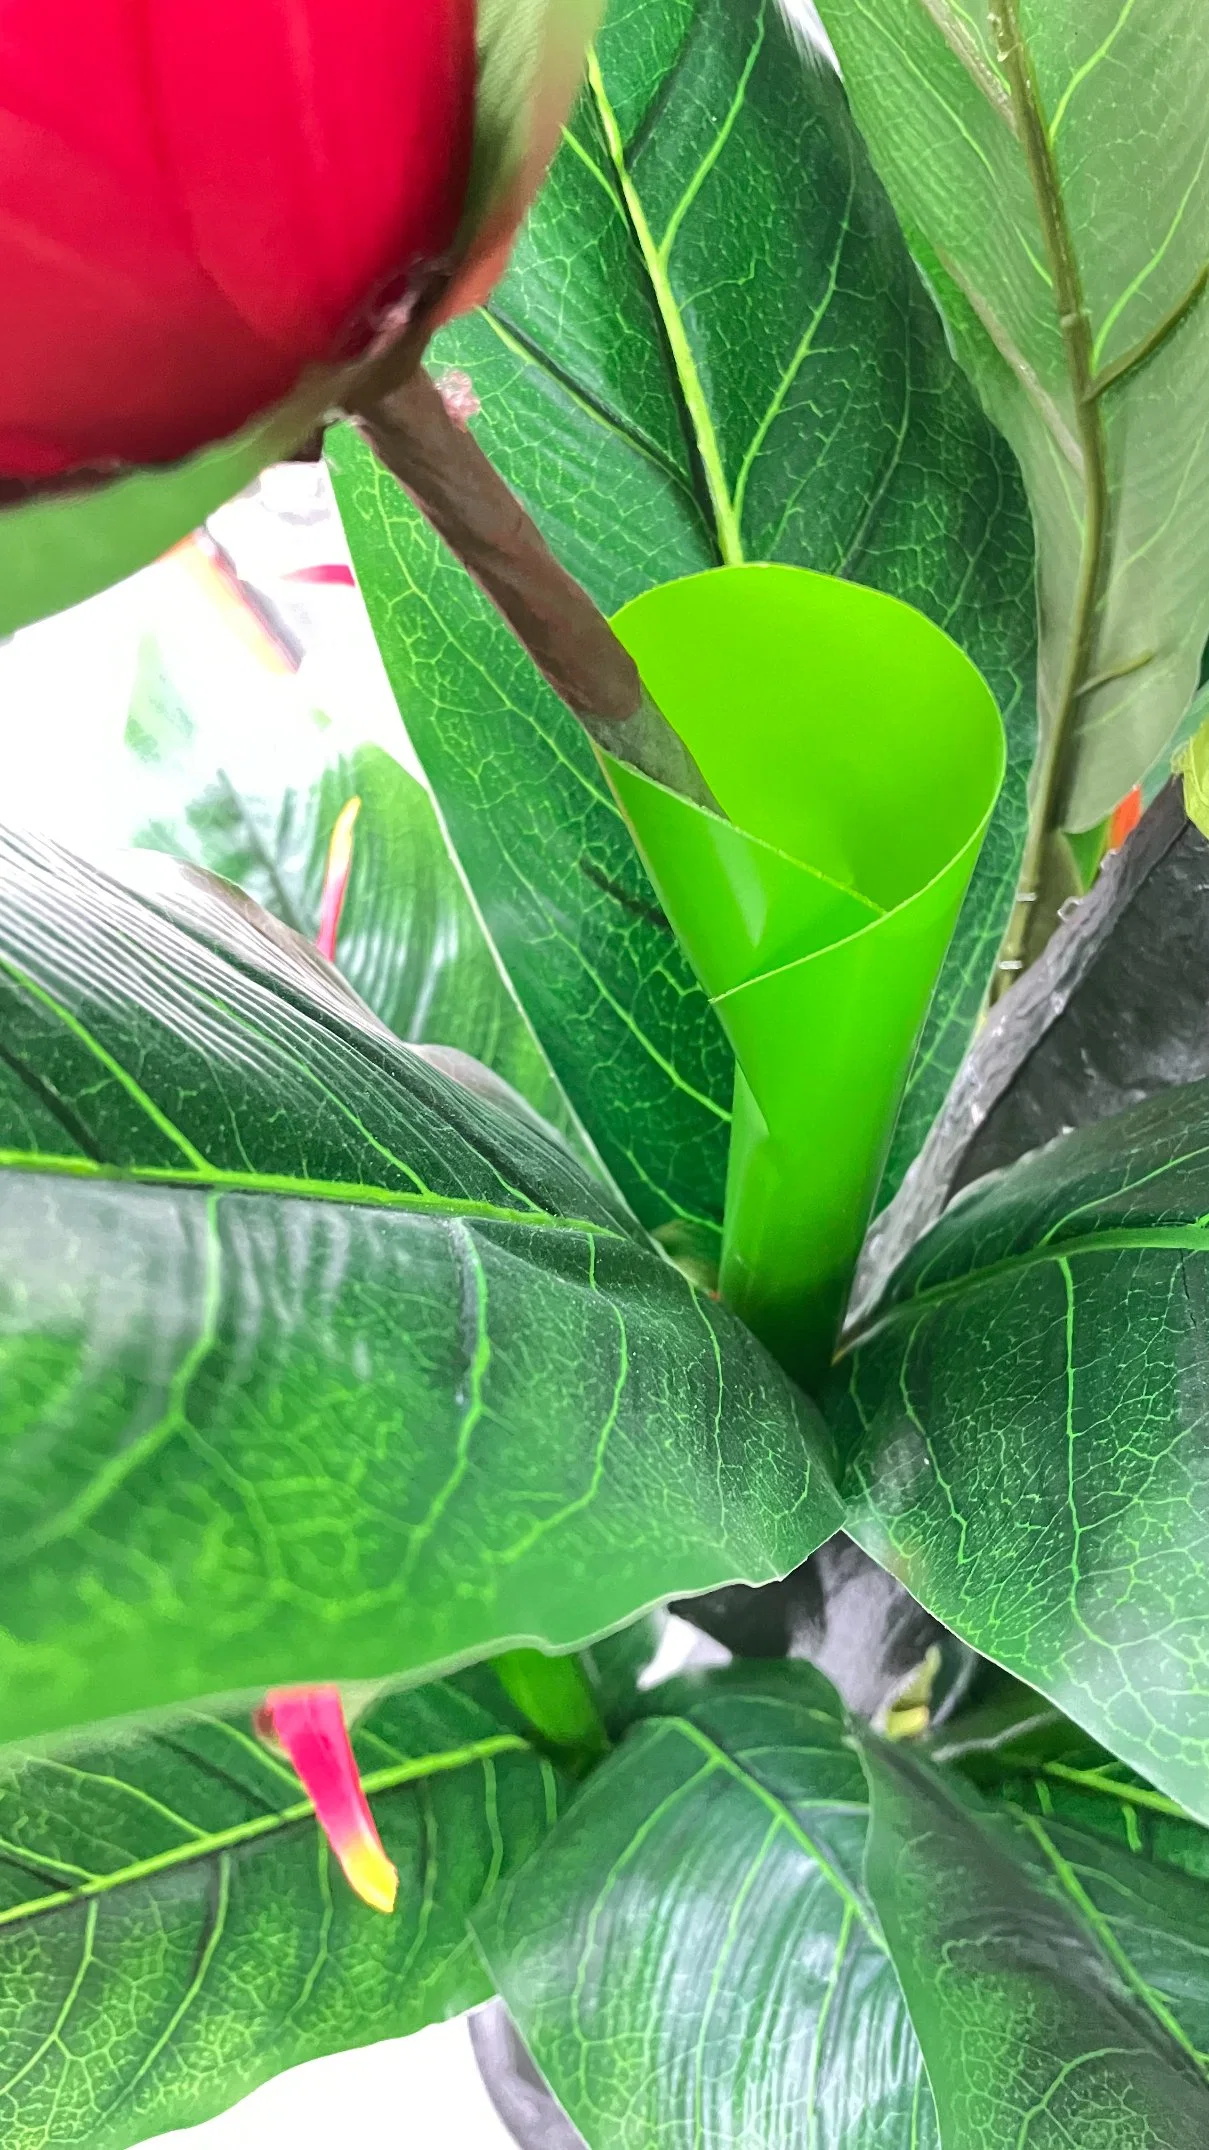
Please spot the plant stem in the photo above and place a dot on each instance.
(461, 494)
(1075, 326)
(555, 1695)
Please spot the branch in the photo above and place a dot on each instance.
(456, 488)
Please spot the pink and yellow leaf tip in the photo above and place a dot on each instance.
(335, 878)
(308, 1724)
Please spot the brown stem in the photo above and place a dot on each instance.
(445, 472)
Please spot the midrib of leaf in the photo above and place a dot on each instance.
(1096, 1780)
(1175, 1238)
(730, 541)
(217, 1179)
(964, 47)
(1069, 1881)
(718, 1758)
(1075, 330)
(261, 1825)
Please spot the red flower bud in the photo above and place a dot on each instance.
(199, 201)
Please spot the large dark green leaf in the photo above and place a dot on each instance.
(314, 1364)
(708, 1946)
(1106, 172)
(1114, 1010)
(712, 346)
(692, 1958)
(1024, 1426)
(258, 804)
(173, 1930)
(1059, 1988)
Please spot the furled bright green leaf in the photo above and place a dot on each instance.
(1059, 1989)
(260, 812)
(1024, 1421)
(1113, 173)
(314, 1364)
(712, 346)
(173, 1930)
(692, 1958)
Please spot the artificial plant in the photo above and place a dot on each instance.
(327, 1359)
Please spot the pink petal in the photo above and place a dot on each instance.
(309, 1724)
(335, 879)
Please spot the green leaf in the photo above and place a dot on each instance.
(692, 1958)
(258, 807)
(59, 548)
(315, 1364)
(1105, 170)
(712, 345)
(1033, 1759)
(1052, 1953)
(1059, 1988)
(173, 1931)
(1023, 1423)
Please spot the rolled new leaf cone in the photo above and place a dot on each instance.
(857, 754)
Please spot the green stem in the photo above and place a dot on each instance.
(1075, 326)
(556, 1696)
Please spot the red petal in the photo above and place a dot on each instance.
(196, 202)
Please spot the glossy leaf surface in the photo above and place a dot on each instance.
(1115, 1010)
(1108, 169)
(173, 1930)
(708, 1946)
(1023, 1427)
(693, 1958)
(712, 346)
(316, 1365)
(1059, 1988)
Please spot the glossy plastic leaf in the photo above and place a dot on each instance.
(1116, 1009)
(857, 755)
(260, 810)
(1089, 200)
(1020, 1921)
(712, 346)
(1023, 1426)
(1021, 1751)
(173, 1930)
(692, 1957)
(1060, 1990)
(315, 1364)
